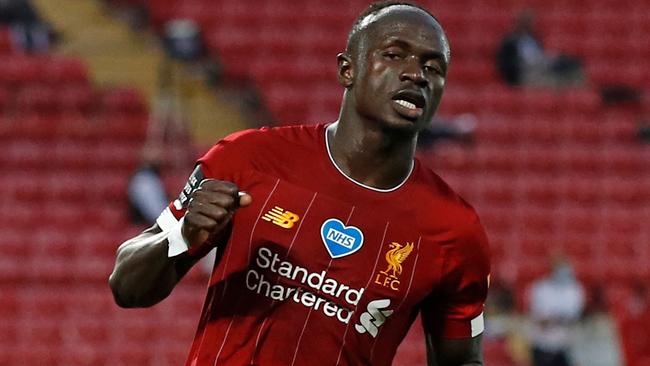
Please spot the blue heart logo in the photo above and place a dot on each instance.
(340, 240)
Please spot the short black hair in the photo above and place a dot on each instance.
(374, 8)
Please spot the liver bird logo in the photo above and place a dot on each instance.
(395, 257)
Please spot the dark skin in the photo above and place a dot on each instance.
(402, 53)
(373, 142)
(144, 275)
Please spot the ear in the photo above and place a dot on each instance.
(345, 72)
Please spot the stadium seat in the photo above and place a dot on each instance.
(76, 98)
(77, 127)
(549, 170)
(123, 101)
(124, 127)
(65, 71)
(37, 99)
(26, 353)
(495, 158)
(18, 70)
(5, 99)
(5, 40)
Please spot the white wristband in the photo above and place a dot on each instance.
(177, 244)
(169, 225)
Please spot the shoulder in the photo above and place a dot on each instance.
(248, 143)
(262, 147)
(457, 211)
(467, 237)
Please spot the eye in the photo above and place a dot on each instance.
(392, 55)
(432, 68)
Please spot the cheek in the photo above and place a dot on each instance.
(438, 87)
(373, 81)
(380, 71)
(379, 78)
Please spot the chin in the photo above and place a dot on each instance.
(403, 126)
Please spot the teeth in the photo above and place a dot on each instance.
(405, 104)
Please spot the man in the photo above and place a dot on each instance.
(28, 31)
(146, 190)
(522, 59)
(341, 237)
(556, 304)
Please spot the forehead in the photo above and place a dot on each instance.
(406, 23)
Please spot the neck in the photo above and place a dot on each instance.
(371, 154)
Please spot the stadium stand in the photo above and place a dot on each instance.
(68, 150)
(549, 169)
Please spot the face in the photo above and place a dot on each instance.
(398, 73)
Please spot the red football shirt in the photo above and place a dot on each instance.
(322, 270)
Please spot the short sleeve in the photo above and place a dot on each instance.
(232, 154)
(222, 161)
(456, 309)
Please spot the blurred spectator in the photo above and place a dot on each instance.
(501, 299)
(135, 13)
(499, 308)
(28, 30)
(146, 191)
(522, 59)
(556, 303)
(182, 40)
(17, 11)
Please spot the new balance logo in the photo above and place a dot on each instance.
(280, 217)
(374, 317)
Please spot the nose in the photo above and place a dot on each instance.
(413, 72)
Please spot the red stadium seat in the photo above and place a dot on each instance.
(494, 158)
(538, 192)
(74, 126)
(124, 101)
(582, 192)
(67, 71)
(38, 99)
(5, 40)
(18, 70)
(127, 128)
(5, 99)
(76, 98)
(161, 11)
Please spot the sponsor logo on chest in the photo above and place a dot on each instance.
(280, 217)
(374, 317)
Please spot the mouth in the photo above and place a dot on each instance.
(409, 103)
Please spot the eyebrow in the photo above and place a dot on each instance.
(429, 54)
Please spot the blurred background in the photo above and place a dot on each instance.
(544, 127)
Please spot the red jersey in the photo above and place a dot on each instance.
(322, 270)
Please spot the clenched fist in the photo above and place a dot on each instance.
(210, 208)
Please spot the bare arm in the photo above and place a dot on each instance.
(454, 352)
(144, 274)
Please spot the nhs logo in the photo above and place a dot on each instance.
(340, 240)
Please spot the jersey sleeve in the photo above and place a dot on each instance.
(456, 310)
(229, 156)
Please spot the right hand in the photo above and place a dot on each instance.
(210, 209)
